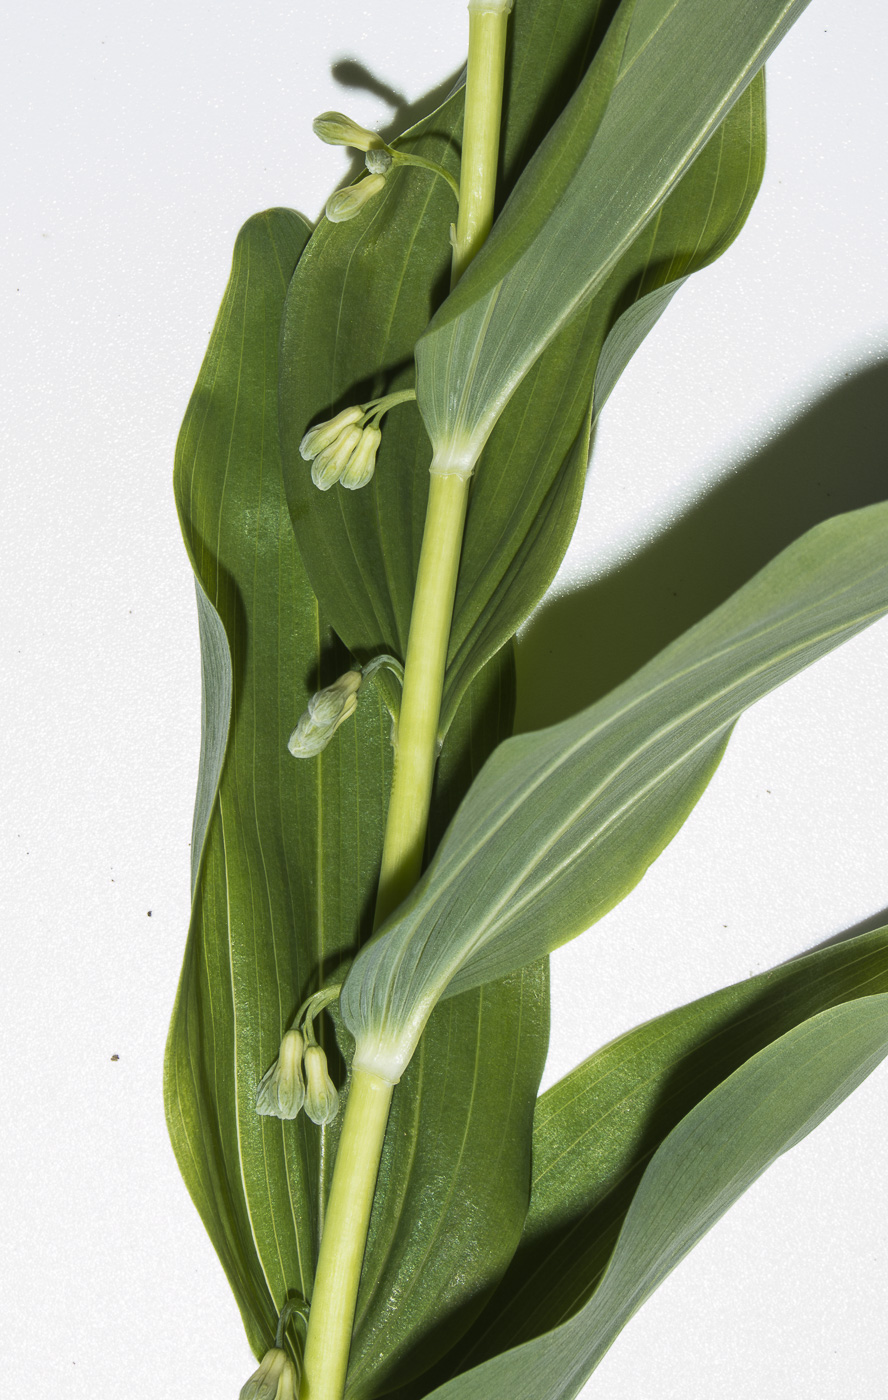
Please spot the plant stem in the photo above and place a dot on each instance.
(345, 1233)
(331, 1318)
(417, 751)
(488, 22)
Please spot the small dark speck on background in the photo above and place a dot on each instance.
(115, 1057)
(149, 913)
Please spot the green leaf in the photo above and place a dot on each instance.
(362, 295)
(286, 872)
(561, 824)
(596, 1130)
(448, 1213)
(530, 479)
(718, 1150)
(669, 70)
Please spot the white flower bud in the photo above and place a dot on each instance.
(345, 204)
(362, 463)
(276, 1378)
(339, 130)
(321, 1098)
(327, 709)
(327, 468)
(323, 435)
(281, 1091)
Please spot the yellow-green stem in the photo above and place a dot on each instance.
(417, 752)
(488, 20)
(348, 1215)
(417, 748)
(335, 1292)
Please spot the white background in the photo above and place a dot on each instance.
(140, 138)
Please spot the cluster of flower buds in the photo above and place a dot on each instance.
(276, 1378)
(343, 449)
(327, 709)
(339, 130)
(283, 1091)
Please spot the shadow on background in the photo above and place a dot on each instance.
(833, 458)
(349, 73)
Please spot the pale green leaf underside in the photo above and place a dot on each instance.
(562, 823)
(684, 64)
(596, 1130)
(714, 1154)
(529, 482)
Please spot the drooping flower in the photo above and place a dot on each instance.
(346, 204)
(328, 466)
(281, 1090)
(276, 1378)
(339, 130)
(327, 709)
(323, 435)
(321, 1098)
(361, 465)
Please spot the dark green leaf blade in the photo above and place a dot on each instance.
(273, 912)
(595, 1131)
(361, 297)
(561, 824)
(454, 1181)
(285, 885)
(705, 1163)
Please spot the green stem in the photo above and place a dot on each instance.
(417, 751)
(417, 747)
(488, 22)
(404, 158)
(336, 1282)
(331, 1318)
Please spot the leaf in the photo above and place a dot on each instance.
(561, 824)
(718, 1150)
(530, 480)
(669, 70)
(596, 1130)
(362, 295)
(285, 882)
(454, 1182)
(443, 1233)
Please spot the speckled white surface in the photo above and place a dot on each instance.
(140, 139)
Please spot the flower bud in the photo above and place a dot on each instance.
(321, 1098)
(327, 709)
(323, 435)
(276, 1378)
(362, 463)
(345, 204)
(327, 468)
(281, 1091)
(339, 130)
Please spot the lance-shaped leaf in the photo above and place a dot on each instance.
(561, 824)
(666, 75)
(530, 479)
(596, 1130)
(286, 854)
(362, 295)
(714, 1154)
